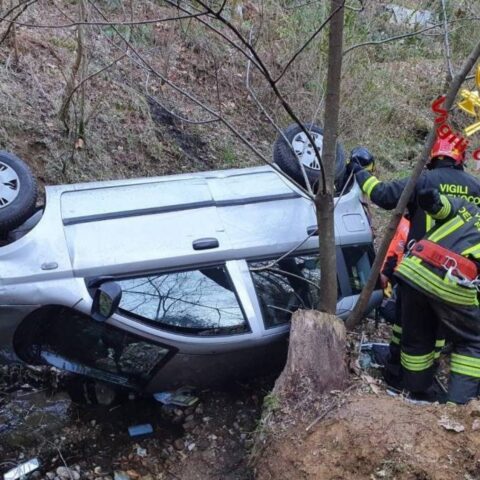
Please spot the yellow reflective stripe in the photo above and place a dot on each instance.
(446, 229)
(440, 343)
(416, 269)
(444, 211)
(397, 328)
(436, 356)
(430, 282)
(430, 222)
(369, 185)
(465, 360)
(435, 285)
(473, 251)
(417, 363)
(395, 340)
(464, 370)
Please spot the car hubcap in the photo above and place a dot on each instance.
(305, 151)
(9, 185)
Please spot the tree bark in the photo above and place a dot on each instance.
(324, 199)
(361, 304)
(316, 360)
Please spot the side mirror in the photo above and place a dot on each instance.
(106, 299)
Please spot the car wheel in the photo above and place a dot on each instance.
(305, 153)
(18, 192)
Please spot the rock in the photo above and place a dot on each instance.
(50, 475)
(199, 409)
(67, 473)
(450, 424)
(189, 418)
(178, 444)
(190, 447)
(476, 424)
(133, 474)
(203, 444)
(474, 407)
(120, 475)
(189, 426)
(141, 452)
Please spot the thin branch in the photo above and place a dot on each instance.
(197, 102)
(12, 23)
(405, 35)
(101, 24)
(94, 74)
(305, 45)
(446, 43)
(277, 128)
(257, 61)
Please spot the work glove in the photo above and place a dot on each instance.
(429, 200)
(389, 266)
(361, 158)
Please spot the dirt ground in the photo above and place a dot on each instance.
(238, 432)
(208, 441)
(372, 437)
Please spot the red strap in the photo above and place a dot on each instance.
(441, 257)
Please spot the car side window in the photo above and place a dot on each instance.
(358, 260)
(285, 286)
(73, 341)
(200, 302)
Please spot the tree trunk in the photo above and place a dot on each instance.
(316, 360)
(324, 199)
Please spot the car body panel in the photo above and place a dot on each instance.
(128, 228)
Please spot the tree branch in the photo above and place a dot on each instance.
(101, 24)
(305, 45)
(361, 304)
(405, 35)
(197, 102)
(446, 43)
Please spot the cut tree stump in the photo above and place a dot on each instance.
(316, 361)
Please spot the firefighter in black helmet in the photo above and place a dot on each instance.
(445, 171)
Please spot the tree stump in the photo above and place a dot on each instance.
(316, 361)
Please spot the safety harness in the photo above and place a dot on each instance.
(459, 269)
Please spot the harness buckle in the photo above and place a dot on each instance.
(409, 247)
(450, 264)
(454, 275)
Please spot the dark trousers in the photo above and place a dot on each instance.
(424, 319)
(393, 365)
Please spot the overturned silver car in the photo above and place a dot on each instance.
(193, 278)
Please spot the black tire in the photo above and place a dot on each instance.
(288, 162)
(14, 211)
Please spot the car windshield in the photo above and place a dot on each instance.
(198, 301)
(286, 286)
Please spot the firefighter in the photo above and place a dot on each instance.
(439, 285)
(445, 172)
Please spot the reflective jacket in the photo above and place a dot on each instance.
(457, 229)
(444, 177)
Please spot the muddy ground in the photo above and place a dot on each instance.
(208, 441)
(239, 432)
